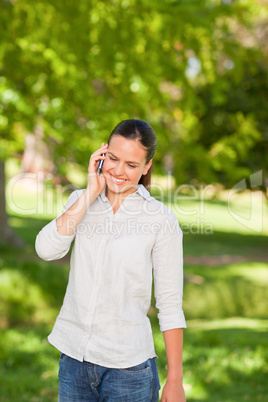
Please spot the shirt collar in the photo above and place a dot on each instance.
(103, 196)
(141, 190)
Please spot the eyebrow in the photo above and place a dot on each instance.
(110, 153)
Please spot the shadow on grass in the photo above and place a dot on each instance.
(222, 243)
(226, 291)
(27, 227)
(31, 292)
(28, 366)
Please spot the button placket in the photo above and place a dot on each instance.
(97, 283)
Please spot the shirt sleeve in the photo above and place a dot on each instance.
(49, 243)
(167, 256)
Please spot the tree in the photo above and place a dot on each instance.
(78, 68)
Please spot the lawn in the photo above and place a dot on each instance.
(225, 303)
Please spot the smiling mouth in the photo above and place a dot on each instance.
(117, 181)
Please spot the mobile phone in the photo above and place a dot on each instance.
(100, 165)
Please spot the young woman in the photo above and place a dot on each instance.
(122, 235)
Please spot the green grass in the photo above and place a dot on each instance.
(226, 307)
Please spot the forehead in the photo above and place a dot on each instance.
(127, 149)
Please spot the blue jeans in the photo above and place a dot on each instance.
(83, 381)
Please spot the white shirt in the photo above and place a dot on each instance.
(103, 318)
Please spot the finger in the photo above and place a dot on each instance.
(98, 154)
(94, 161)
(96, 158)
(103, 149)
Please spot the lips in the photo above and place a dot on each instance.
(116, 180)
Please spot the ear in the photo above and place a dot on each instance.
(147, 167)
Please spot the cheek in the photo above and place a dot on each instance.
(134, 174)
(107, 164)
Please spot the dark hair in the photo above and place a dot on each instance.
(135, 129)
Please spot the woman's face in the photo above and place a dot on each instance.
(124, 165)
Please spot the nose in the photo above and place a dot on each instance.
(119, 169)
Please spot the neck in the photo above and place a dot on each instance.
(116, 199)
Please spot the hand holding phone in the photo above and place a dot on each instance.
(96, 180)
(99, 170)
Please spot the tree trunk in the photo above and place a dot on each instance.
(4, 228)
(6, 233)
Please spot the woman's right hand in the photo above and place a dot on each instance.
(96, 183)
(67, 222)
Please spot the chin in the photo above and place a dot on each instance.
(126, 188)
(115, 188)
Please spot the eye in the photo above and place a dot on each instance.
(132, 166)
(112, 159)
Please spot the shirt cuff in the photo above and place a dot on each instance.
(58, 240)
(166, 321)
(50, 244)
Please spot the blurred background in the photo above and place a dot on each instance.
(196, 70)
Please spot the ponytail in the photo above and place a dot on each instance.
(145, 180)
